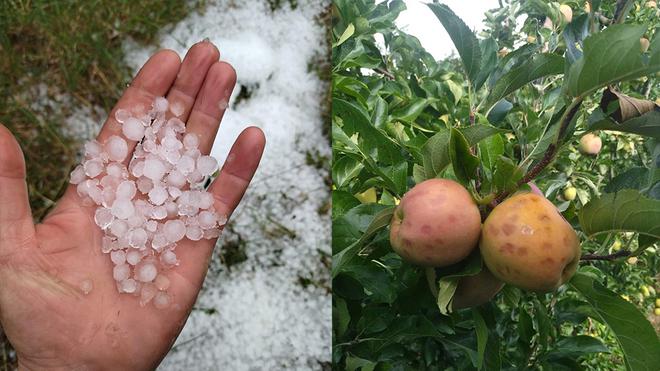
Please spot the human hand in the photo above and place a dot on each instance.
(44, 313)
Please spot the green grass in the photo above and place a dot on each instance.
(72, 48)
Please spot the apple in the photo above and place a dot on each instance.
(473, 291)
(527, 243)
(656, 311)
(632, 260)
(587, 7)
(644, 44)
(651, 4)
(531, 39)
(657, 303)
(590, 144)
(566, 12)
(368, 196)
(437, 223)
(570, 193)
(646, 292)
(548, 23)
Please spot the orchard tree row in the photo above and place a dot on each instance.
(499, 209)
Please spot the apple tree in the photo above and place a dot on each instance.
(548, 121)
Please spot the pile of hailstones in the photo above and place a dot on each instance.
(159, 200)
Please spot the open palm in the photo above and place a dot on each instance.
(50, 322)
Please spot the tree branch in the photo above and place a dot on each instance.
(610, 257)
(385, 72)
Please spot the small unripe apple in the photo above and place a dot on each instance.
(531, 39)
(436, 224)
(368, 196)
(590, 144)
(570, 193)
(646, 292)
(566, 12)
(616, 246)
(527, 243)
(503, 52)
(656, 311)
(475, 290)
(651, 4)
(587, 7)
(644, 44)
(657, 303)
(548, 23)
(632, 260)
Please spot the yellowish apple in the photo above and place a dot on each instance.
(570, 193)
(527, 243)
(590, 144)
(437, 223)
(644, 44)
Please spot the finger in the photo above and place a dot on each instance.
(16, 226)
(154, 80)
(211, 104)
(191, 75)
(227, 189)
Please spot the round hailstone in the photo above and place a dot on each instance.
(128, 285)
(77, 175)
(171, 143)
(96, 194)
(147, 293)
(160, 104)
(117, 148)
(103, 217)
(176, 179)
(137, 168)
(177, 108)
(159, 212)
(159, 241)
(185, 165)
(121, 115)
(151, 226)
(154, 169)
(206, 165)
(86, 286)
(118, 257)
(191, 141)
(136, 220)
(126, 190)
(174, 192)
(171, 208)
(205, 200)
(133, 129)
(116, 170)
(107, 244)
(93, 167)
(172, 156)
(162, 282)
(207, 219)
(121, 272)
(149, 145)
(222, 220)
(133, 257)
(108, 197)
(146, 272)
(174, 230)
(195, 177)
(138, 238)
(194, 233)
(162, 300)
(122, 208)
(168, 257)
(158, 195)
(144, 184)
(93, 149)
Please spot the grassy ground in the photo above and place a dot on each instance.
(53, 49)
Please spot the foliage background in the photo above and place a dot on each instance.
(390, 97)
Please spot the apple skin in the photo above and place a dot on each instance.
(473, 291)
(644, 44)
(590, 144)
(436, 224)
(566, 12)
(527, 243)
(570, 193)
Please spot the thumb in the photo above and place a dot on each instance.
(16, 223)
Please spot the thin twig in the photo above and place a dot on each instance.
(385, 72)
(610, 257)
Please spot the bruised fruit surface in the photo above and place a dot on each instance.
(475, 290)
(436, 224)
(527, 243)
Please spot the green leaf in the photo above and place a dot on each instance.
(482, 336)
(575, 347)
(489, 50)
(499, 111)
(647, 124)
(540, 65)
(490, 150)
(344, 170)
(639, 342)
(348, 32)
(464, 40)
(342, 201)
(476, 133)
(611, 56)
(435, 154)
(627, 210)
(465, 164)
(410, 111)
(379, 221)
(340, 316)
(633, 178)
(506, 174)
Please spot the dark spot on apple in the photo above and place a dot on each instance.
(522, 251)
(508, 228)
(493, 230)
(407, 242)
(426, 229)
(544, 217)
(548, 261)
(566, 240)
(452, 219)
(547, 246)
(508, 248)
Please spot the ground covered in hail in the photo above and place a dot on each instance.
(266, 301)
